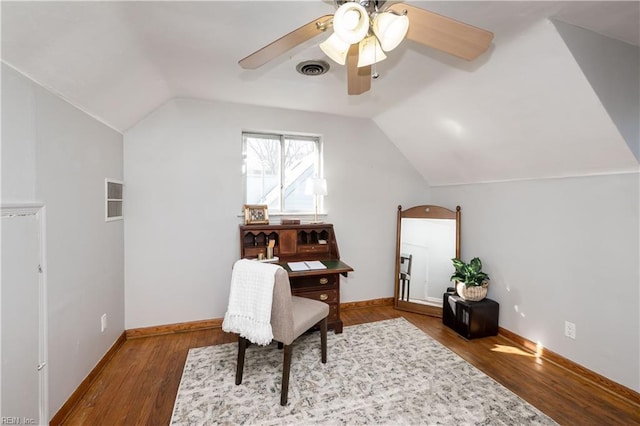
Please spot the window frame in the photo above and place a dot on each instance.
(282, 137)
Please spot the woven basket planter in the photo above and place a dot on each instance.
(472, 293)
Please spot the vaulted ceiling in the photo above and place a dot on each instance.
(522, 110)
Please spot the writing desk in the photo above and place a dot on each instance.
(296, 243)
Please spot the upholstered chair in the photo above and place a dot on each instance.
(291, 316)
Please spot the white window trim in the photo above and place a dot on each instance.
(321, 200)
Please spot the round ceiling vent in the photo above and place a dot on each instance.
(314, 67)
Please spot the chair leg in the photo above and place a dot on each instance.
(242, 347)
(323, 339)
(286, 369)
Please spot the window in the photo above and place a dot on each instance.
(276, 169)
(112, 199)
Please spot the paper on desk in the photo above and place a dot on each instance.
(305, 266)
(298, 266)
(315, 264)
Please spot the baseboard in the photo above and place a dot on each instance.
(367, 304)
(419, 308)
(66, 408)
(182, 327)
(601, 381)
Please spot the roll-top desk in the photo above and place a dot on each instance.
(296, 243)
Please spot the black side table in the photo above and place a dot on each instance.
(470, 319)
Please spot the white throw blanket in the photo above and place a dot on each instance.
(249, 310)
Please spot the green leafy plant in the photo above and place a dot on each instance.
(469, 273)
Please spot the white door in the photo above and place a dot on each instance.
(21, 316)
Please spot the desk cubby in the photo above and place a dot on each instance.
(292, 242)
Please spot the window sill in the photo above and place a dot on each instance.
(304, 217)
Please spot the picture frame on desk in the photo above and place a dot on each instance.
(256, 214)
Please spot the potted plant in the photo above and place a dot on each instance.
(472, 283)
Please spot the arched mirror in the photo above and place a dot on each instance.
(428, 238)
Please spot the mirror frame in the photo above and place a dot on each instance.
(421, 212)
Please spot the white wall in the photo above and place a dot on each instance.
(184, 194)
(612, 68)
(18, 138)
(561, 250)
(62, 157)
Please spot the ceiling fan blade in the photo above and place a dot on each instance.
(284, 43)
(358, 79)
(445, 34)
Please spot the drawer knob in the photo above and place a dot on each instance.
(324, 280)
(324, 296)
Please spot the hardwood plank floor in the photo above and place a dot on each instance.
(138, 386)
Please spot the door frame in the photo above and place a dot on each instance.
(39, 211)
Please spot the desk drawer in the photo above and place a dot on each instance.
(328, 296)
(250, 252)
(313, 248)
(316, 281)
(333, 312)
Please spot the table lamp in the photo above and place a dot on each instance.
(316, 187)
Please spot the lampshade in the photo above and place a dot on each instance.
(370, 52)
(390, 29)
(316, 186)
(351, 22)
(335, 48)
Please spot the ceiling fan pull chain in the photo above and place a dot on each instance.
(374, 74)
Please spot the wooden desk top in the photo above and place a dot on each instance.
(333, 267)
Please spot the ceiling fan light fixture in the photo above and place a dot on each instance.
(390, 29)
(351, 22)
(335, 48)
(370, 52)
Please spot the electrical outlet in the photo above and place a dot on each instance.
(103, 323)
(570, 329)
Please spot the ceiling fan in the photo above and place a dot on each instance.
(364, 30)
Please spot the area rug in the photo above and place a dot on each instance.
(381, 373)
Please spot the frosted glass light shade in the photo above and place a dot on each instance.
(370, 52)
(351, 22)
(390, 29)
(335, 48)
(316, 186)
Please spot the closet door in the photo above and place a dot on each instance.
(21, 293)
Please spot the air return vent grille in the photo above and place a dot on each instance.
(314, 67)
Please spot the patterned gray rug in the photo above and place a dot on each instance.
(387, 372)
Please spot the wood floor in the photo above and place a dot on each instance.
(139, 384)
